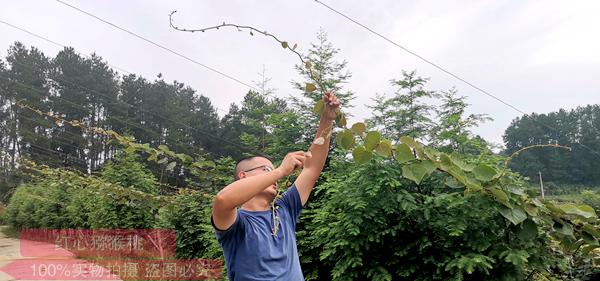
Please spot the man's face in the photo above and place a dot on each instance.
(258, 166)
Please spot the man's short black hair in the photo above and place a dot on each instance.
(237, 164)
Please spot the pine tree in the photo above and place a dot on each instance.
(404, 114)
(331, 75)
(452, 130)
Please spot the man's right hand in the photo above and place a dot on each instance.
(291, 162)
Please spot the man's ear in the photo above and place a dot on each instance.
(242, 175)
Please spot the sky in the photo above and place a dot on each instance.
(538, 56)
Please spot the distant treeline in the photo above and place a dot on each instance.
(87, 89)
(578, 128)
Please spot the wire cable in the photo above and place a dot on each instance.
(157, 44)
(440, 68)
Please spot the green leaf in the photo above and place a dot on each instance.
(514, 215)
(409, 141)
(163, 147)
(372, 140)
(319, 106)
(455, 158)
(130, 149)
(528, 230)
(358, 128)
(431, 153)
(403, 153)
(204, 164)
(484, 172)
(414, 145)
(384, 148)
(185, 158)
(340, 120)
(453, 183)
(589, 239)
(171, 166)
(163, 160)
(579, 210)
(531, 209)
(284, 44)
(345, 139)
(361, 155)
(417, 171)
(152, 157)
(515, 190)
(310, 87)
(591, 230)
(308, 65)
(588, 248)
(563, 228)
(500, 196)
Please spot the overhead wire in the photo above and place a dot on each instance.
(443, 69)
(157, 44)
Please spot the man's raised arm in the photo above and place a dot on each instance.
(314, 165)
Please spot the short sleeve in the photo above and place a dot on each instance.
(290, 200)
(225, 234)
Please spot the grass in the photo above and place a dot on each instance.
(9, 231)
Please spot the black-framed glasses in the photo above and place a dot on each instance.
(263, 167)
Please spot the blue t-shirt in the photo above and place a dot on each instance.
(251, 250)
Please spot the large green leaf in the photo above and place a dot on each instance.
(340, 120)
(515, 215)
(579, 210)
(593, 230)
(384, 148)
(417, 171)
(185, 158)
(589, 239)
(171, 166)
(500, 196)
(345, 139)
(361, 155)
(431, 153)
(319, 106)
(563, 228)
(588, 248)
(372, 140)
(409, 141)
(484, 172)
(455, 158)
(418, 148)
(515, 190)
(403, 153)
(528, 230)
(531, 209)
(446, 164)
(310, 87)
(453, 183)
(358, 128)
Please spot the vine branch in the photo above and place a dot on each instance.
(284, 44)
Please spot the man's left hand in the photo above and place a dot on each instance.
(332, 106)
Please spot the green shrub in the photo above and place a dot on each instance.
(372, 224)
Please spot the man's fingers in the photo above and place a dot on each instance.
(301, 157)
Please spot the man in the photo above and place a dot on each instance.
(259, 239)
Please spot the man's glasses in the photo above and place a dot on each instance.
(263, 167)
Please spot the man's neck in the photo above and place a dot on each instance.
(257, 204)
